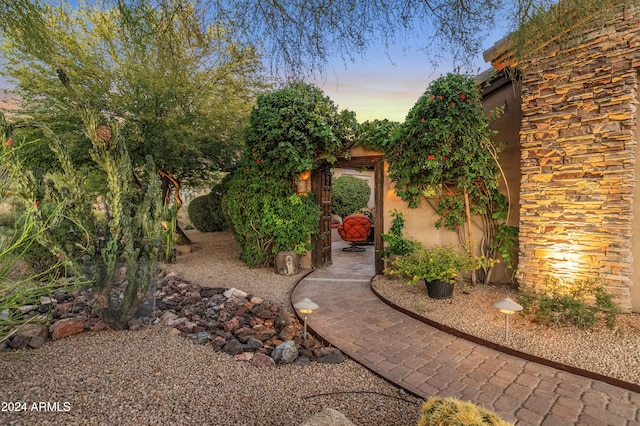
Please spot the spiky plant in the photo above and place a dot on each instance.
(118, 250)
(453, 412)
(21, 286)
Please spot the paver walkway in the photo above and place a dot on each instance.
(428, 362)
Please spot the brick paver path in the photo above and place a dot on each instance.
(427, 362)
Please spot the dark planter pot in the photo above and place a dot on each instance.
(439, 289)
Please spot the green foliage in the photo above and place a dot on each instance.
(243, 203)
(445, 139)
(453, 412)
(291, 130)
(582, 303)
(438, 263)
(200, 214)
(396, 242)
(181, 89)
(291, 222)
(19, 287)
(349, 193)
(504, 243)
(375, 135)
(97, 245)
(206, 212)
(294, 129)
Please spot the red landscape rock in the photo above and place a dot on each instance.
(67, 327)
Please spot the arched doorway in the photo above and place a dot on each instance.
(321, 187)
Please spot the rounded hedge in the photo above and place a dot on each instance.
(205, 212)
(349, 194)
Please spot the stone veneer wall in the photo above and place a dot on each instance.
(578, 139)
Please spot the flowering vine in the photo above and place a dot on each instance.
(445, 145)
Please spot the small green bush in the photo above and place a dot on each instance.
(453, 412)
(582, 303)
(349, 194)
(206, 213)
(200, 214)
(396, 242)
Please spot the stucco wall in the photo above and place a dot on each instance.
(579, 150)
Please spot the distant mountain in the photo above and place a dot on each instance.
(8, 103)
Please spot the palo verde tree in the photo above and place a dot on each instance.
(291, 130)
(444, 149)
(301, 37)
(180, 88)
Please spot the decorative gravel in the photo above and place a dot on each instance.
(610, 352)
(153, 377)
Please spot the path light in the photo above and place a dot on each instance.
(305, 307)
(507, 307)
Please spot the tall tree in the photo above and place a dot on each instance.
(181, 89)
(301, 36)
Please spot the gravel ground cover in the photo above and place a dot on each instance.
(153, 377)
(610, 352)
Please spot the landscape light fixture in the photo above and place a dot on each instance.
(305, 307)
(302, 183)
(507, 307)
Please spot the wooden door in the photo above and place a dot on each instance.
(321, 187)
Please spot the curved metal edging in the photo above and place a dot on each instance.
(523, 355)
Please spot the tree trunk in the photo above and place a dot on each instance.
(467, 211)
(167, 181)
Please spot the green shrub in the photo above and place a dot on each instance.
(453, 412)
(200, 213)
(349, 194)
(206, 213)
(290, 131)
(244, 206)
(291, 222)
(582, 303)
(396, 242)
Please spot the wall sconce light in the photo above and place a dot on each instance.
(507, 307)
(305, 176)
(303, 181)
(305, 307)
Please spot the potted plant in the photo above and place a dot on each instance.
(369, 213)
(438, 266)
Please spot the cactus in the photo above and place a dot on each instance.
(119, 250)
(453, 412)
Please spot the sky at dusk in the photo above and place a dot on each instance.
(378, 87)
